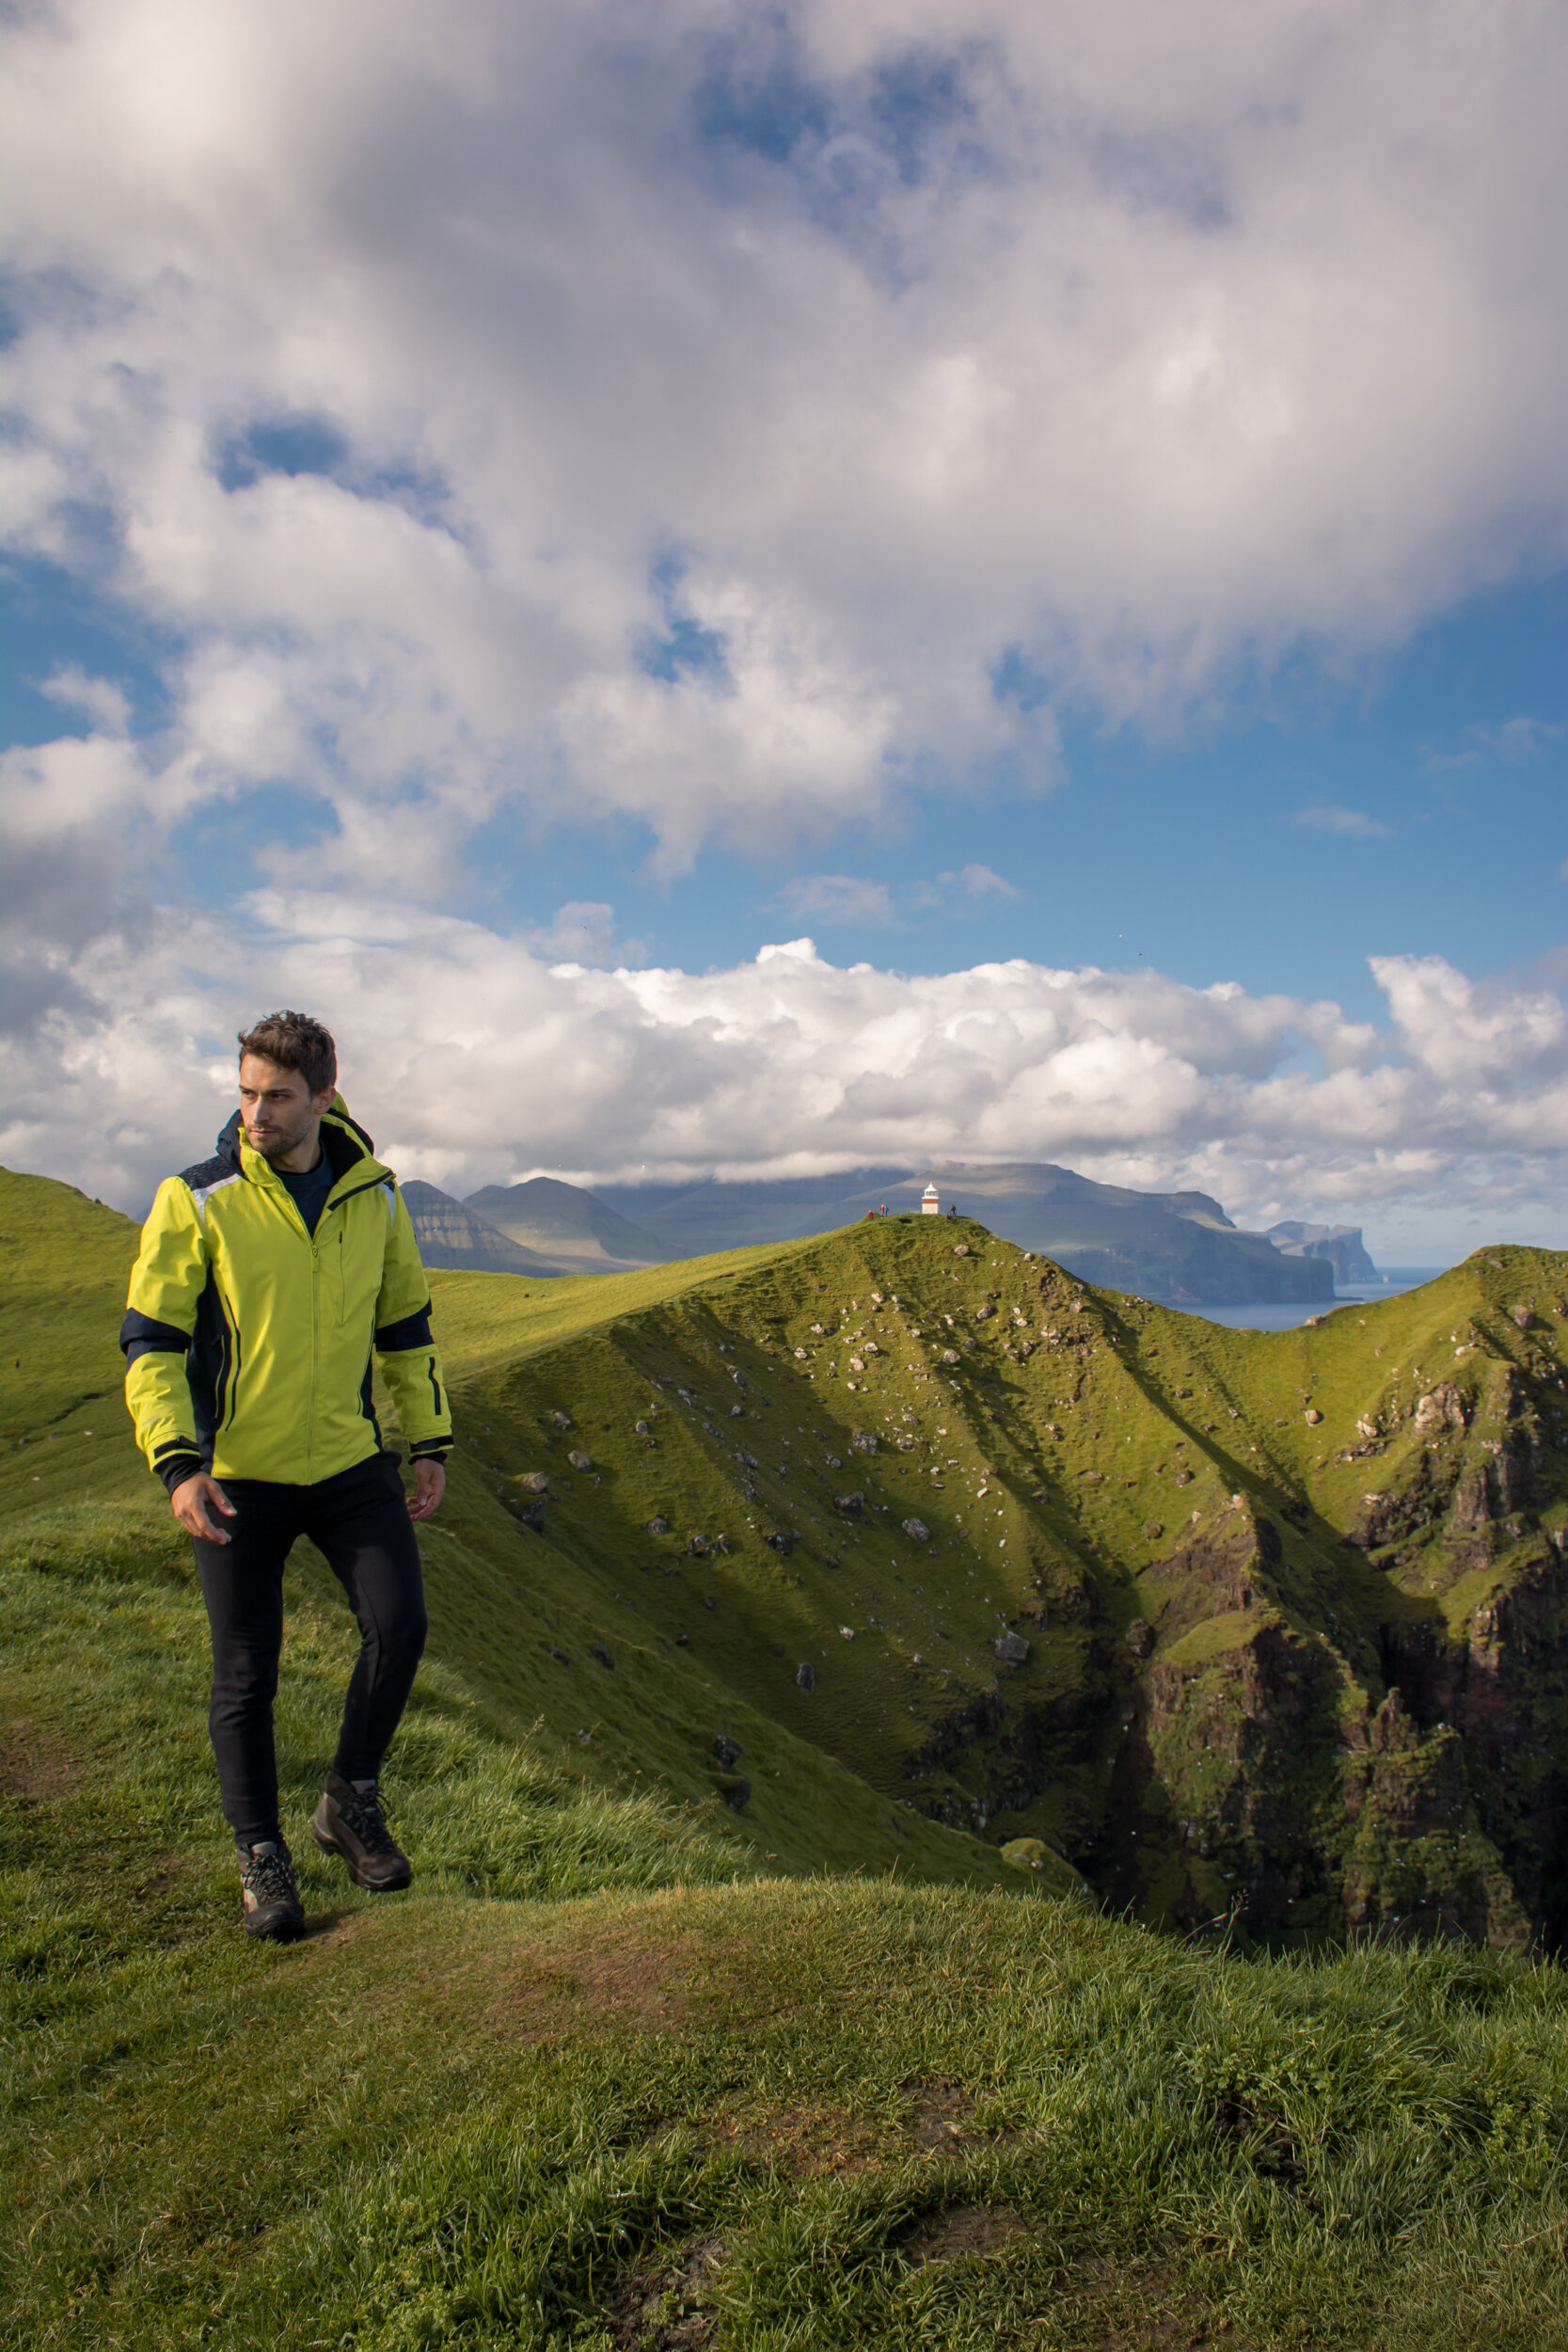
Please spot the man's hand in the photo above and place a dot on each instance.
(430, 1484)
(191, 1502)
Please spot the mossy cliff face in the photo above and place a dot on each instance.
(1264, 1624)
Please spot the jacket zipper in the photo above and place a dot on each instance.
(293, 1209)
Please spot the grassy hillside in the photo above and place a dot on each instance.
(1282, 1613)
(632, 2068)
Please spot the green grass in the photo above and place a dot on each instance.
(514, 2109)
(627, 2068)
(586, 2086)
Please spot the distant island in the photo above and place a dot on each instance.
(1178, 1248)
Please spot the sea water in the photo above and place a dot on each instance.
(1269, 1317)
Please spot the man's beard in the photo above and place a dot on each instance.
(277, 1145)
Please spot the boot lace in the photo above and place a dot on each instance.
(366, 1816)
(268, 1872)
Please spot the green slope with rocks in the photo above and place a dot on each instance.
(897, 1547)
(1270, 1623)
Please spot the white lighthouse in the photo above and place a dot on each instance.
(930, 1204)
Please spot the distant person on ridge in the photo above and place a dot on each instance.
(266, 1278)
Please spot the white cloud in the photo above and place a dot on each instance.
(838, 900)
(842, 900)
(1510, 746)
(979, 884)
(1349, 820)
(583, 932)
(97, 699)
(707, 400)
(472, 1057)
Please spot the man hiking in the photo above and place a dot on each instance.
(267, 1277)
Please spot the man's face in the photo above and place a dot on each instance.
(277, 1107)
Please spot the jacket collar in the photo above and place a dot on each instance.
(347, 1146)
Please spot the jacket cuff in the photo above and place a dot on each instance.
(176, 1467)
(430, 1450)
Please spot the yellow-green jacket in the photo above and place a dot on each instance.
(248, 1342)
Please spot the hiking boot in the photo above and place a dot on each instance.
(271, 1904)
(349, 1823)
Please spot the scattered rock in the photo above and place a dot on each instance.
(1185, 1478)
(641, 1429)
(698, 1547)
(1442, 1407)
(856, 1365)
(950, 1356)
(850, 1506)
(708, 1602)
(602, 1654)
(781, 1541)
(806, 1678)
(1152, 1530)
(1011, 1649)
(917, 1530)
(533, 1517)
(1140, 1637)
(961, 1250)
(847, 1632)
(728, 1751)
(864, 1441)
(1521, 1316)
(681, 1637)
(1312, 1416)
(579, 1460)
(559, 1655)
(534, 1482)
(562, 1421)
(800, 1355)
(737, 1794)
(658, 1526)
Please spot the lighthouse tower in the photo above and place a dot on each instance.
(930, 1205)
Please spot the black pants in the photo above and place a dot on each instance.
(361, 1523)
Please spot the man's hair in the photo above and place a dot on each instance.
(294, 1042)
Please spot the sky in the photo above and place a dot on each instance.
(759, 588)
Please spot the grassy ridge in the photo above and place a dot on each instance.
(1223, 1550)
(607, 2078)
(586, 2089)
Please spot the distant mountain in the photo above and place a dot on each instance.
(1178, 1247)
(571, 1227)
(451, 1237)
(1341, 1244)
